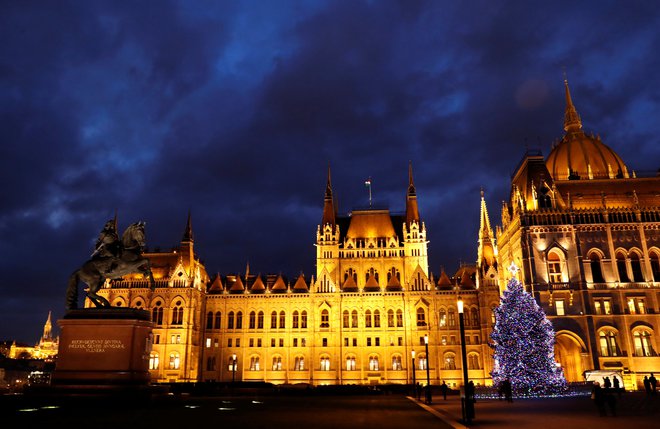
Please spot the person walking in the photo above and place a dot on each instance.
(654, 384)
(647, 385)
(508, 390)
(617, 386)
(443, 389)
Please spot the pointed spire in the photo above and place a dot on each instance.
(486, 250)
(485, 231)
(412, 210)
(48, 328)
(328, 204)
(572, 122)
(188, 233)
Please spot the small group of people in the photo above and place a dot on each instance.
(506, 390)
(650, 385)
(604, 396)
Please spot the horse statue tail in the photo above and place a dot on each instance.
(72, 291)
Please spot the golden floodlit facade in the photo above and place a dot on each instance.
(584, 230)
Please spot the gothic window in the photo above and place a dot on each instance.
(260, 320)
(608, 343)
(253, 320)
(153, 360)
(352, 273)
(421, 317)
(655, 266)
(239, 320)
(473, 361)
(299, 364)
(175, 360)
(345, 319)
(354, 319)
(296, 320)
(273, 320)
(350, 363)
(621, 267)
(371, 273)
(230, 320)
(451, 318)
(373, 363)
(325, 363)
(422, 361)
(636, 267)
(596, 268)
(449, 361)
(367, 319)
(325, 318)
(254, 363)
(545, 202)
(376, 319)
(277, 363)
(218, 318)
(282, 320)
(393, 272)
(642, 341)
(157, 314)
(475, 317)
(177, 313)
(399, 319)
(554, 268)
(390, 318)
(442, 318)
(396, 363)
(209, 320)
(303, 319)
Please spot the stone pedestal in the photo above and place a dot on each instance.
(104, 348)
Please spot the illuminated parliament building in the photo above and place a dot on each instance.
(583, 228)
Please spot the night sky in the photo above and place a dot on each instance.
(233, 110)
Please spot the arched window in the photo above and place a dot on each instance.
(399, 319)
(492, 315)
(303, 319)
(449, 361)
(296, 320)
(390, 318)
(273, 320)
(277, 363)
(325, 318)
(596, 268)
(442, 318)
(642, 340)
(157, 314)
(545, 202)
(282, 320)
(475, 317)
(230, 320)
(239, 320)
(373, 363)
(350, 363)
(299, 364)
(608, 343)
(376, 319)
(253, 320)
(209, 320)
(421, 317)
(325, 363)
(422, 361)
(218, 319)
(345, 319)
(396, 362)
(260, 320)
(636, 267)
(451, 318)
(153, 360)
(621, 267)
(254, 363)
(367, 319)
(554, 268)
(655, 266)
(354, 319)
(177, 313)
(473, 361)
(175, 360)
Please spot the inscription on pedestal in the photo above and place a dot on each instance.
(96, 346)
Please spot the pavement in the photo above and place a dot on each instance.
(633, 409)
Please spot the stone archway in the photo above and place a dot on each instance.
(568, 352)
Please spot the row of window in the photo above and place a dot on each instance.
(642, 343)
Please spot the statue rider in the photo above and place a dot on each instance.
(107, 245)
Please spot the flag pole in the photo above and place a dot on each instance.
(367, 183)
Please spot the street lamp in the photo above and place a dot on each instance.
(413, 372)
(233, 368)
(428, 374)
(467, 404)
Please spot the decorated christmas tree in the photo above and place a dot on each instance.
(523, 339)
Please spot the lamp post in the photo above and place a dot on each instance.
(467, 404)
(413, 373)
(233, 368)
(428, 373)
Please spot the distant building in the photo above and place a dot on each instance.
(45, 349)
(584, 230)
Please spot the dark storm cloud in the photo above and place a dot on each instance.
(232, 111)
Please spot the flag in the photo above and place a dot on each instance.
(367, 182)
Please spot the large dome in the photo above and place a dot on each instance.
(579, 156)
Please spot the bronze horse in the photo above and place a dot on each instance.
(94, 271)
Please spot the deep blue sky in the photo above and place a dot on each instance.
(233, 110)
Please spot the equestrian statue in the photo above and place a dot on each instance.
(112, 259)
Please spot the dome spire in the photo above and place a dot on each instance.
(572, 122)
